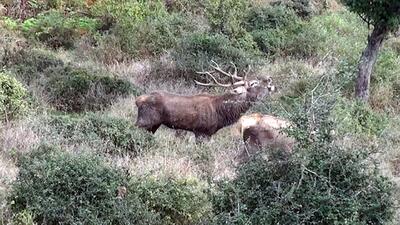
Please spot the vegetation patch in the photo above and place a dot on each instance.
(273, 28)
(58, 29)
(13, 96)
(181, 201)
(195, 51)
(321, 182)
(154, 35)
(358, 118)
(333, 186)
(75, 90)
(60, 187)
(117, 134)
(29, 64)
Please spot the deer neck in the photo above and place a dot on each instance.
(229, 109)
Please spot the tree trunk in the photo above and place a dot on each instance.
(367, 61)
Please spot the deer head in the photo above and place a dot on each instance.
(252, 90)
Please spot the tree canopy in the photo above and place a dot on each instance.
(375, 12)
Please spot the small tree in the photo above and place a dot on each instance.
(384, 16)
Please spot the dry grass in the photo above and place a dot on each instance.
(18, 137)
(8, 173)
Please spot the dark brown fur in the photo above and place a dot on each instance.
(202, 114)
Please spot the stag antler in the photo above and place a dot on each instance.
(217, 68)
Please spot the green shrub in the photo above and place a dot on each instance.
(29, 64)
(321, 182)
(57, 29)
(128, 13)
(12, 97)
(195, 51)
(383, 81)
(358, 118)
(119, 135)
(305, 8)
(227, 17)
(178, 201)
(60, 187)
(131, 21)
(153, 35)
(270, 17)
(273, 28)
(346, 74)
(339, 34)
(75, 89)
(186, 6)
(334, 186)
(387, 69)
(9, 23)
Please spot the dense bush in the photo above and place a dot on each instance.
(274, 28)
(127, 13)
(227, 16)
(304, 8)
(181, 201)
(141, 27)
(153, 35)
(29, 64)
(334, 186)
(119, 135)
(57, 29)
(76, 89)
(279, 31)
(187, 6)
(387, 69)
(322, 182)
(339, 34)
(60, 187)
(195, 51)
(270, 17)
(358, 118)
(12, 97)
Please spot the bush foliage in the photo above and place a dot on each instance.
(59, 187)
(195, 51)
(334, 186)
(358, 118)
(182, 201)
(274, 29)
(75, 89)
(321, 182)
(119, 135)
(154, 35)
(12, 97)
(56, 29)
(30, 64)
(312, 57)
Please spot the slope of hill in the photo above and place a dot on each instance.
(70, 153)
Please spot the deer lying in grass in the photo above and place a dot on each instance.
(202, 114)
(263, 131)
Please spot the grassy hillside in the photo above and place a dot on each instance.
(70, 153)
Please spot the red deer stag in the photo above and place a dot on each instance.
(259, 130)
(202, 114)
